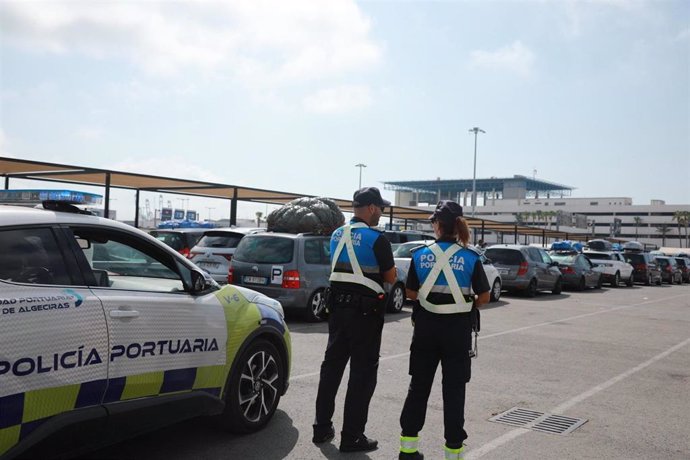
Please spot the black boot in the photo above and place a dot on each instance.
(357, 444)
(323, 433)
(411, 456)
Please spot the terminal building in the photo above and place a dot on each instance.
(534, 202)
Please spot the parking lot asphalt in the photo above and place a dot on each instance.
(619, 358)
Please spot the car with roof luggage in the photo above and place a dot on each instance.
(612, 265)
(525, 269)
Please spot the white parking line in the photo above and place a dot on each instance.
(509, 436)
(519, 329)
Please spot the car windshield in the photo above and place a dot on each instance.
(174, 240)
(220, 240)
(504, 256)
(265, 250)
(405, 250)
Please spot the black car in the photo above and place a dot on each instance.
(645, 269)
(180, 239)
(684, 266)
(670, 272)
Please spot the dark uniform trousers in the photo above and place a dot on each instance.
(446, 339)
(355, 336)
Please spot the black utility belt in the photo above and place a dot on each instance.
(338, 298)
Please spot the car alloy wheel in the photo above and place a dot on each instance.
(396, 298)
(616, 280)
(315, 306)
(254, 388)
(496, 290)
(582, 284)
(532, 288)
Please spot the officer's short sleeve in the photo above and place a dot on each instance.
(412, 280)
(383, 253)
(479, 282)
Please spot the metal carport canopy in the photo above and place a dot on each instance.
(54, 172)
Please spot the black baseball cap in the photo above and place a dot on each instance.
(447, 211)
(368, 195)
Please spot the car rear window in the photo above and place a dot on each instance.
(265, 250)
(635, 258)
(681, 262)
(593, 255)
(220, 240)
(563, 258)
(174, 240)
(504, 256)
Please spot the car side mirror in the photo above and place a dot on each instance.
(199, 282)
(488, 261)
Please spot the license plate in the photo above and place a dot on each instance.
(255, 280)
(208, 264)
(503, 271)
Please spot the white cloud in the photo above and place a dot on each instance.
(338, 99)
(515, 58)
(262, 42)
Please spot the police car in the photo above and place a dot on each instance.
(106, 332)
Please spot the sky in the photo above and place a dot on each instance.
(291, 95)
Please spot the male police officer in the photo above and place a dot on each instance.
(362, 261)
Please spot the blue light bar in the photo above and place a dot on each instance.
(28, 196)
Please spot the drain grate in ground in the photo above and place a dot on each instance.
(539, 421)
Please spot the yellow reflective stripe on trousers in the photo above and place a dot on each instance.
(409, 444)
(460, 305)
(453, 454)
(356, 277)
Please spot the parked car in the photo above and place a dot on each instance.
(403, 255)
(180, 239)
(107, 333)
(645, 269)
(578, 271)
(214, 250)
(670, 272)
(399, 237)
(599, 245)
(684, 266)
(526, 269)
(612, 266)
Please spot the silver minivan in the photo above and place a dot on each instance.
(291, 268)
(214, 251)
(525, 268)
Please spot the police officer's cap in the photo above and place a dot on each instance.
(368, 195)
(447, 211)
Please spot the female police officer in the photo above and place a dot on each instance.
(440, 278)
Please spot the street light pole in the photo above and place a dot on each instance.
(476, 131)
(360, 166)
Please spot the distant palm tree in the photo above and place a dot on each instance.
(682, 218)
(638, 221)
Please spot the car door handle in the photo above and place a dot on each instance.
(124, 314)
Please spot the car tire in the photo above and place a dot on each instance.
(396, 298)
(649, 280)
(496, 290)
(531, 290)
(315, 305)
(616, 280)
(558, 287)
(582, 284)
(660, 281)
(253, 391)
(600, 283)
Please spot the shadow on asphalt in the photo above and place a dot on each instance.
(201, 438)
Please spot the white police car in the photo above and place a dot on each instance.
(106, 332)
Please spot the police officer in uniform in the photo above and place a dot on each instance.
(361, 261)
(439, 279)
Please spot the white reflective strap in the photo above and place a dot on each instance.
(453, 454)
(356, 277)
(409, 444)
(460, 305)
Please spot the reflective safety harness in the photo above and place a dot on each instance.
(442, 265)
(409, 444)
(357, 276)
(453, 454)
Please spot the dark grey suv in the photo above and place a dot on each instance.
(525, 268)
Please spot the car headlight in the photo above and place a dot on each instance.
(270, 303)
